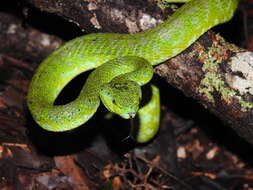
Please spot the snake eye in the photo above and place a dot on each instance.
(114, 102)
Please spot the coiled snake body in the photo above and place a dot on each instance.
(127, 64)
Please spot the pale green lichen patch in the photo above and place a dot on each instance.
(162, 4)
(214, 82)
(211, 65)
(230, 46)
(246, 105)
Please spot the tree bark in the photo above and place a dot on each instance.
(24, 43)
(220, 76)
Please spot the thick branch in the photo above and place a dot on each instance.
(220, 76)
(105, 15)
(24, 42)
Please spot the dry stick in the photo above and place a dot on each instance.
(17, 63)
(165, 172)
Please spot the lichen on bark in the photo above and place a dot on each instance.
(214, 81)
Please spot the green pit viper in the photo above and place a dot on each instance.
(124, 63)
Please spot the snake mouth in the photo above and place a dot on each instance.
(131, 114)
(128, 115)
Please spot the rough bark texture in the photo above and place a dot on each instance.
(105, 16)
(22, 42)
(220, 76)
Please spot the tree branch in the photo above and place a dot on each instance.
(220, 76)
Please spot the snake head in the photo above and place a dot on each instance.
(121, 97)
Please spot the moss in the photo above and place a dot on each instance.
(213, 81)
(230, 46)
(244, 104)
(163, 4)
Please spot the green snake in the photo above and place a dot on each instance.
(124, 63)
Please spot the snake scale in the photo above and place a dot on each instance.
(124, 63)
